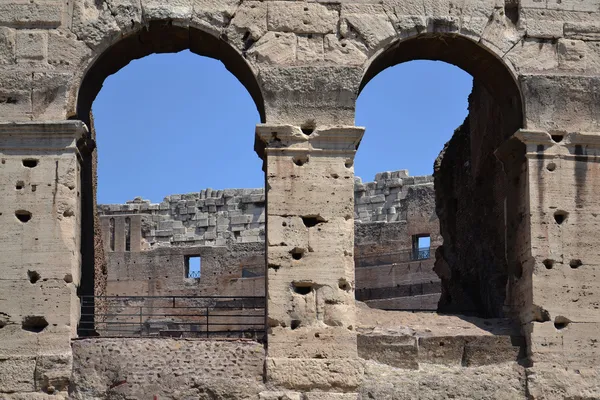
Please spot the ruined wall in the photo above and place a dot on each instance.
(226, 229)
(471, 188)
(304, 64)
(389, 212)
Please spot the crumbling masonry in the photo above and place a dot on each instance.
(516, 195)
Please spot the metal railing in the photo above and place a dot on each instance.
(401, 256)
(421, 254)
(193, 275)
(173, 316)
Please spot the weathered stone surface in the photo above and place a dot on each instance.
(34, 14)
(302, 17)
(517, 210)
(505, 381)
(179, 368)
(7, 45)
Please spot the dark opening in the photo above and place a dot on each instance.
(30, 163)
(127, 234)
(575, 264)
(300, 160)
(557, 138)
(302, 288)
(548, 263)
(560, 217)
(297, 253)
(312, 220)
(561, 322)
(34, 324)
(111, 227)
(23, 216)
(34, 276)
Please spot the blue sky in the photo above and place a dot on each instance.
(179, 123)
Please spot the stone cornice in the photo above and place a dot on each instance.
(330, 139)
(41, 136)
(544, 145)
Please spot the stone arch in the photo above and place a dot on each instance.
(472, 182)
(151, 37)
(473, 57)
(162, 37)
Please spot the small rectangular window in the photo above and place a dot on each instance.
(421, 246)
(193, 266)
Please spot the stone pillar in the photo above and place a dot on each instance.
(310, 242)
(563, 316)
(39, 254)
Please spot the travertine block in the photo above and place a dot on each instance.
(26, 13)
(7, 45)
(301, 17)
(32, 46)
(313, 374)
(17, 374)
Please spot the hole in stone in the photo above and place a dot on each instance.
(551, 167)
(561, 322)
(308, 129)
(68, 278)
(30, 163)
(34, 276)
(575, 264)
(20, 185)
(34, 324)
(297, 253)
(344, 285)
(300, 160)
(548, 263)
(560, 216)
(33, 188)
(335, 176)
(557, 138)
(312, 220)
(441, 344)
(349, 163)
(274, 266)
(284, 223)
(295, 324)
(302, 288)
(68, 213)
(317, 334)
(23, 216)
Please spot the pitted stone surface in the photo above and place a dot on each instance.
(529, 170)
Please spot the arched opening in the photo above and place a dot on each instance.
(175, 262)
(396, 226)
(472, 194)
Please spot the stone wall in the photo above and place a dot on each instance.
(403, 356)
(304, 64)
(166, 369)
(471, 192)
(226, 229)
